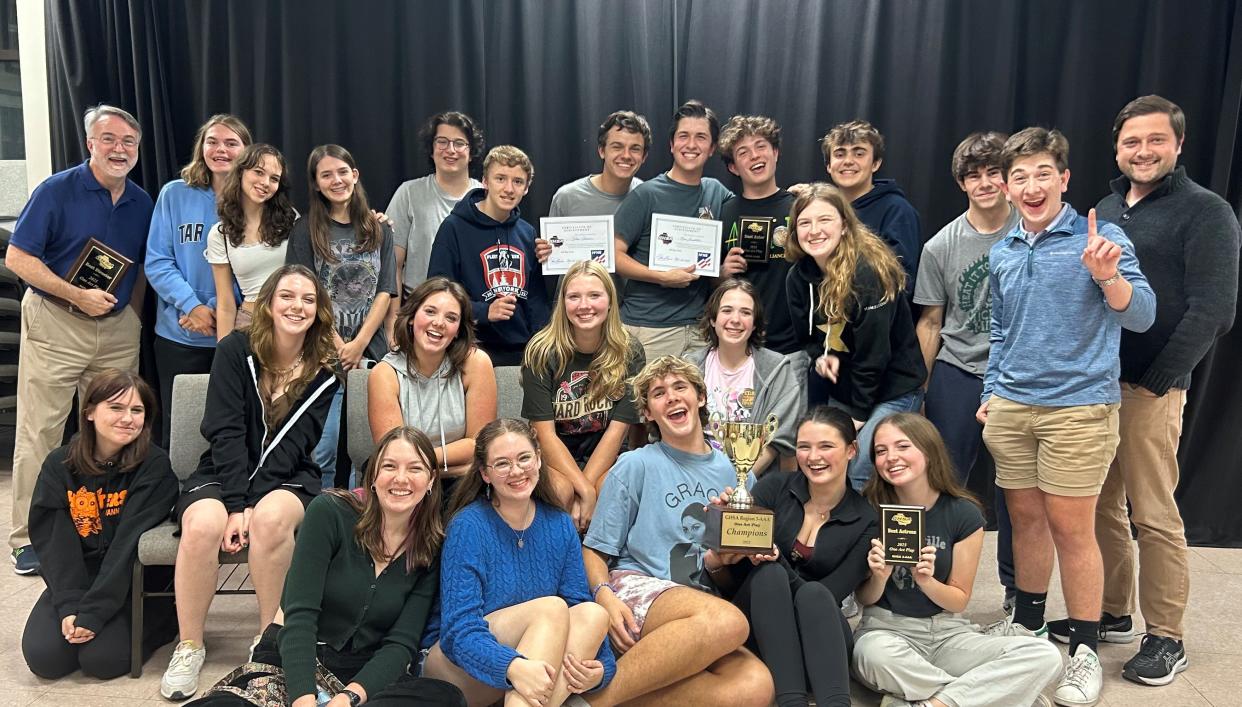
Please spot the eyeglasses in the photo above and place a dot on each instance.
(443, 143)
(502, 468)
(109, 141)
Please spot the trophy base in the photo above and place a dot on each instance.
(748, 531)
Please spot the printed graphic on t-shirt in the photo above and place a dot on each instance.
(84, 508)
(705, 212)
(685, 559)
(903, 576)
(974, 297)
(569, 406)
(504, 270)
(733, 405)
(352, 282)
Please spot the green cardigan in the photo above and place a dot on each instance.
(333, 596)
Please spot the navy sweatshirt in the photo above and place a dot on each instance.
(892, 217)
(492, 259)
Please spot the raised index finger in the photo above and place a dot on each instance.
(1091, 229)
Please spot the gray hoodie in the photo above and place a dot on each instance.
(778, 391)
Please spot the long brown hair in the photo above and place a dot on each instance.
(196, 172)
(318, 348)
(106, 386)
(472, 486)
(926, 438)
(367, 232)
(425, 532)
(461, 346)
(552, 347)
(836, 289)
(278, 214)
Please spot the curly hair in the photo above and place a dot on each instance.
(456, 119)
(626, 120)
(657, 370)
(278, 213)
(741, 126)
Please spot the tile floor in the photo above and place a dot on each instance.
(1213, 622)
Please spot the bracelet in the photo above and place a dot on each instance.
(714, 571)
(596, 588)
(1105, 283)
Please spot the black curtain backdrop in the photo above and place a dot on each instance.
(542, 74)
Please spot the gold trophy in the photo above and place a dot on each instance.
(741, 526)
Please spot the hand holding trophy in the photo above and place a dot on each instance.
(741, 526)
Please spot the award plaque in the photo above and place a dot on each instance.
(98, 267)
(753, 239)
(741, 526)
(901, 531)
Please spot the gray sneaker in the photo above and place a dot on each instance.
(180, 681)
(1008, 627)
(849, 607)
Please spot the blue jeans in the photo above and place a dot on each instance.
(952, 400)
(861, 468)
(325, 452)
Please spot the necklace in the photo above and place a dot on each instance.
(281, 376)
(520, 534)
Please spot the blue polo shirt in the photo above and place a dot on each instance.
(71, 207)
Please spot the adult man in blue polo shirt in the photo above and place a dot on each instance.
(70, 333)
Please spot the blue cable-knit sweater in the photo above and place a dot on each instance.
(483, 570)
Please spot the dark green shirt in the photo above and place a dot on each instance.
(332, 596)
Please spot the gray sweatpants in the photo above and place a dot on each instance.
(947, 658)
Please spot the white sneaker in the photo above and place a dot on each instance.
(1008, 627)
(849, 607)
(180, 681)
(1083, 679)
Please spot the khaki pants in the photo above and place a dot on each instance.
(60, 352)
(1145, 471)
(667, 341)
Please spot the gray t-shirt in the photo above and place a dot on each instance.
(582, 198)
(650, 512)
(352, 281)
(953, 273)
(416, 210)
(647, 304)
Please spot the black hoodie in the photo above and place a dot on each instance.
(877, 345)
(85, 529)
(493, 259)
(237, 459)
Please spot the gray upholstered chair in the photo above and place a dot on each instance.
(509, 391)
(158, 546)
(359, 431)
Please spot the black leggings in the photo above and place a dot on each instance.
(106, 656)
(171, 360)
(799, 634)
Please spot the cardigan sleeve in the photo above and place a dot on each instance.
(318, 541)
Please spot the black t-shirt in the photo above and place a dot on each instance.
(949, 521)
(770, 214)
(563, 400)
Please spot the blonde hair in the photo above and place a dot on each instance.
(836, 289)
(666, 366)
(509, 156)
(553, 346)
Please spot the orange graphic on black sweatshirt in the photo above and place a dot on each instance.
(84, 509)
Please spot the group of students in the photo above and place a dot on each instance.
(479, 559)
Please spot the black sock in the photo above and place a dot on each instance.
(1028, 609)
(1084, 633)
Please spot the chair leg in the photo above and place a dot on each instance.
(137, 594)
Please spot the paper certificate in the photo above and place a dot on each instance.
(577, 238)
(678, 241)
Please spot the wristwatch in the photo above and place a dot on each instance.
(354, 698)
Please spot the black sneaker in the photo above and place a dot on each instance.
(1113, 629)
(1158, 661)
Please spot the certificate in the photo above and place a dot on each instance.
(678, 241)
(577, 238)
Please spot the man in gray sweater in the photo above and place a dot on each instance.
(1187, 239)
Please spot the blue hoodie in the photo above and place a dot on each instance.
(492, 259)
(175, 266)
(892, 217)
